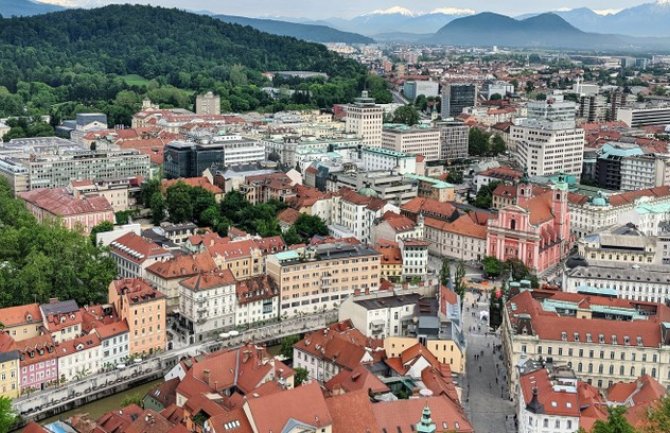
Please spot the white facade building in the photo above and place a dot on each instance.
(207, 303)
(380, 315)
(381, 159)
(257, 301)
(80, 357)
(414, 140)
(365, 119)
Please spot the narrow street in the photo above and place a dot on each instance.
(484, 387)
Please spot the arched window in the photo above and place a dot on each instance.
(590, 368)
(632, 371)
(579, 368)
(512, 225)
(611, 370)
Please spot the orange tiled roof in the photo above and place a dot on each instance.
(183, 266)
(58, 201)
(210, 280)
(21, 315)
(463, 226)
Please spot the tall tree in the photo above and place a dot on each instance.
(7, 416)
(459, 283)
(616, 422)
(406, 114)
(445, 272)
(178, 203)
(157, 205)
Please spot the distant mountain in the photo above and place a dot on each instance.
(542, 31)
(307, 32)
(398, 20)
(649, 19)
(22, 8)
(401, 37)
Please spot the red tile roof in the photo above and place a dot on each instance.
(136, 248)
(288, 216)
(399, 223)
(390, 251)
(210, 280)
(429, 207)
(183, 266)
(85, 342)
(352, 413)
(344, 347)
(503, 173)
(21, 315)
(194, 182)
(255, 289)
(36, 349)
(555, 403)
(232, 250)
(136, 290)
(271, 244)
(58, 201)
(462, 226)
(402, 415)
(360, 378)
(304, 404)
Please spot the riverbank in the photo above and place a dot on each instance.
(99, 407)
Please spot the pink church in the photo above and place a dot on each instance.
(535, 230)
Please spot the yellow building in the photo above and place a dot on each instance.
(22, 322)
(244, 258)
(9, 367)
(145, 309)
(391, 260)
(446, 351)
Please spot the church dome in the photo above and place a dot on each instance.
(599, 200)
(368, 192)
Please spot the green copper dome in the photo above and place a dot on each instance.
(599, 200)
(368, 192)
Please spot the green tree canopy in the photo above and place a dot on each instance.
(105, 226)
(406, 114)
(8, 418)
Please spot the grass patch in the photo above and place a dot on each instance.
(135, 80)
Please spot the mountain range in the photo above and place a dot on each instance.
(18, 8)
(546, 30)
(308, 32)
(396, 20)
(648, 19)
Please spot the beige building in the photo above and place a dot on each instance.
(208, 103)
(365, 119)
(319, 278)
(461, 239)
(22, 322)
(446, 351)
(603, 339)
(244, 258)
(414, 140)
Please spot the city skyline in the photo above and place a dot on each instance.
(350, 8)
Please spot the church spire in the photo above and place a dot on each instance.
(426, 425)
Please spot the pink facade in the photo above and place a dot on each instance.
(535, 230)
(37, 362)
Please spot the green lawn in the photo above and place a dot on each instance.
(135, 80)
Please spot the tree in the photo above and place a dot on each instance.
(287, 344)
(445, 272)
(105, 226)
(496, 97)
(659, 418)
(492, 267)
(147, 191)
(478, 142)
(421, 102)
(406, 114)
(178, 203)
(8, 418)
(484, 197)
(301, 375)
(498, 145)
(308, 226)
(459, 284)
(455, 176)
(616, 422)
(202, 200)
(157, 205)
(132, 399)
(529, 86)
(291, 237)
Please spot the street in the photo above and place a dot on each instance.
(485, 381)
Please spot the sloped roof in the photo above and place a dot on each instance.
(58, 201)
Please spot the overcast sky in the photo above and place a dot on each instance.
(349, 8)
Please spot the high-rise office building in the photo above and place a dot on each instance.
(365, 119)
(208, 104)
(549, 141)
(455, 97)
(453, 140)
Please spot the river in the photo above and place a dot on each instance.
(99, 407)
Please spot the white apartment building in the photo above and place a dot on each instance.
(461, 239)
(207, 303)
(133, 254)
(645, 283)
(415, 140)
(381, 315)
(80, 357)
(625, 245)
(548, 151)
(365, 119)
(239, 151)
(257, 301)
(414, 258)
(548, 141)
(381, 159)
(644, 171)
(114, 342)
(353, 214)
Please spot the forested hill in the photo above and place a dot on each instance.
(307, 32)
(57, 62)
(151, 42)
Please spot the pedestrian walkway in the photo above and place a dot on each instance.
(485, 388)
